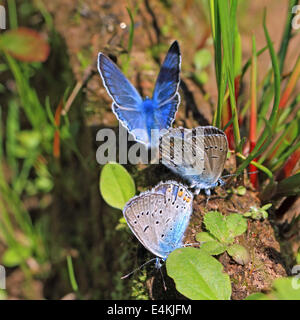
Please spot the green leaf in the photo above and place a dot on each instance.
(283, 289)
(247, 214)
(241, 190)
(257, 296)
(215, 223)
(202, 59)
(44, 184)
(213, 247)
(116, 185)
(30, 139)
(298, 257)
(204, 236)
(198, 275)
(236, 225)
(239, 253)
(201, 77)
(25, 44)
(13, 257)
(286, 289)
(267, 206)
(3, 294)
(264, 214)
(289, 186)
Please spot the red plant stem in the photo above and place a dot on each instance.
(286, 171)
(285, 97)
(56, 141)
(253, 113)
(290, 85)
(237, 87)
(227, 115)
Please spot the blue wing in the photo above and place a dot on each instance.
(159, 217)
(135, 123)
(167, 82)
(123, 93)
(165, 114)
(127, 103)
(139, 116)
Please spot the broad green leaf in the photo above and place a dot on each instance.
(215, 223)
(283, 289)
(25, 44)
(198, 275)
(239, 253)
(213, 247)
(116, 185)
(236, 225)
(286, 289)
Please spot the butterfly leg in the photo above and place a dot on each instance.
(158, 265)
(159, 262)
(208, 193)
(221, 182)
(197, 191)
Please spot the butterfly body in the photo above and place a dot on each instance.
(159, 217)
(200, 184)
(141, 116)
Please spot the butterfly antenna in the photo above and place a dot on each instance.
(234, 174)
(140, 267)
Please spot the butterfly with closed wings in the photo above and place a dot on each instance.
(159, 218)
(198, 155)
(143, 116)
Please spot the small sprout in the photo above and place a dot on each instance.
(239, 254)
(258, 213)
(122, 224)
(240, 190)
(267, 206)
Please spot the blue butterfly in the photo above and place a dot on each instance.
(198, 155)
(159, 218)
(141, 116)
